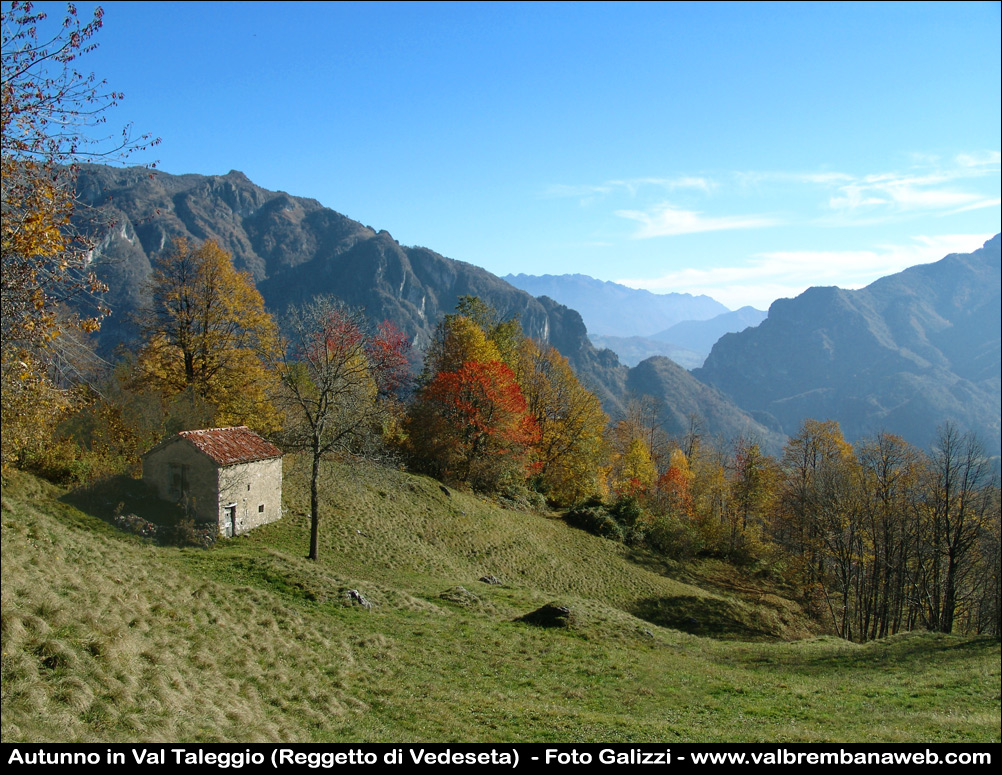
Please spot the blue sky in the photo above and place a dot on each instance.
(745, 151)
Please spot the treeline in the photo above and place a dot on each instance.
(879, 537)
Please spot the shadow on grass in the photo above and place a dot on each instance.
(707, 617)
(899, 650)
(656, 563)
(107, 498)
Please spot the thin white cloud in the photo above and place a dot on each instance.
(630, 185)
(666, 220)
(903, 194)
(980, 159)
(561, 191)
(669, 184)
(978, 206)
(831, 198)
(931, 186)
(937, 189)
(757, 178)
(768, 276)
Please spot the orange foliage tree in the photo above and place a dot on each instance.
(497, 409)
(571, 452)
(673, 493)
(208, 335)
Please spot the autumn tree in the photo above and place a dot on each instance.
(504, 334)
(893, 476)
(960, 500)
(207, 336)
(49, 113)
(458, 340)
(472, 426)
(750, 485)
(753, 478)
(470, 422)
(644, 420)
(570, 453)
(673, 490)
(819, 516)
(338, 381)
(985, 611)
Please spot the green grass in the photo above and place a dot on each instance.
(107, 637)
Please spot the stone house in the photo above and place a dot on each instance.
(227, 476)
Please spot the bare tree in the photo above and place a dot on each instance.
(960, 501)
(338, 380)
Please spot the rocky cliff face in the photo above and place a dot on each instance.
(296, 249)
(293, 247)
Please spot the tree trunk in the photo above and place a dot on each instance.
(315, 505)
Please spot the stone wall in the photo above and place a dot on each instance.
(254, 490)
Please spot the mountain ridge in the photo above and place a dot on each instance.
(905, 354)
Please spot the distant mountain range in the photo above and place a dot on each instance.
(638, 324)
(610, 309)
(687, 343)
(700, 335)
(905, 354)
(634, 349)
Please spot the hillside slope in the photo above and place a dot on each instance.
(109, 638)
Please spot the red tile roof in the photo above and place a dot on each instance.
(228, 446)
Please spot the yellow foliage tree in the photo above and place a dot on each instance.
(571, 450)
(48, 110)
(208, 335)
(459, 340)
(634, 472)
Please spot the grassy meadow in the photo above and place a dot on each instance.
(108, 637)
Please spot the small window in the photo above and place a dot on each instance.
(260, 509)
(248, 488)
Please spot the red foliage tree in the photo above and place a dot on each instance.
(472, 426)
(388, 350)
